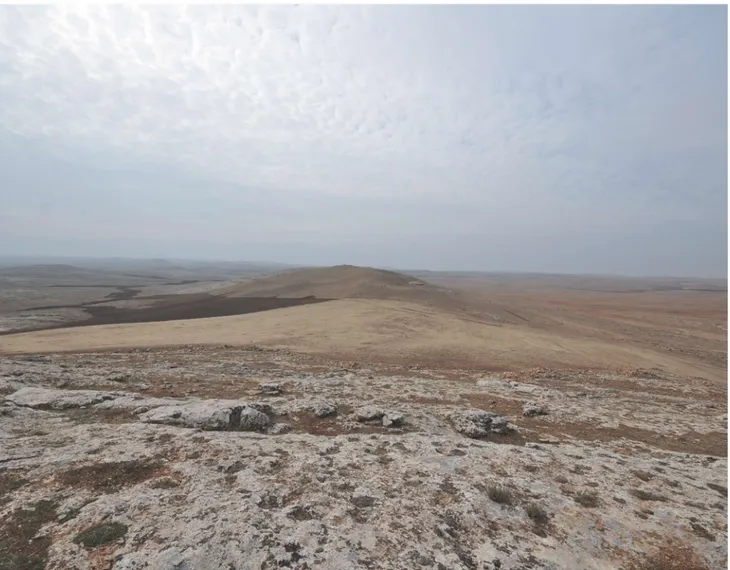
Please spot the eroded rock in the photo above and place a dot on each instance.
(270, 388)
(51, 399)
(319, 408)
(531, 409)
(478, 423)
(388, 418)
(213, 415)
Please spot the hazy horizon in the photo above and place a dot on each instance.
(531, 139)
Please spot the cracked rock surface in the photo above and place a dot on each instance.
(173, 459)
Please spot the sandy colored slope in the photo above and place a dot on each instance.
(352, 282)
(366, 330)
(338, 282)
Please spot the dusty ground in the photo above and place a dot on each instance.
(394, 436)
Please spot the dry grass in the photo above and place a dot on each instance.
(362, 330)
(537, 514)
(671, 556)
(588, 500)
(18, 550)
(100, 534)
(500, 494)
(647, 495)
(109, 477)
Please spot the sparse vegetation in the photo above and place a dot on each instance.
(537, 514)
(588, 500)
(100, 534)
(671, 556)
(643, 475)
(500, 494)
(647, 495)
(18, 550)
(109, 477)
(9, 482)
(165, 483)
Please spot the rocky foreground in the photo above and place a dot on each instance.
(196, 459)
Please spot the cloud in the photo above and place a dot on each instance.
(521, 119)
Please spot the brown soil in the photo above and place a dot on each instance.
(177, 307)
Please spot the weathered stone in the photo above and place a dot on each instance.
(50, 399)
(270, 389)
(280, 428)
(319, 408)
(252, 419)
(478, 423)
(368, 413)
(531, 409)
(207, 415)
(393, 419)
(362, 498)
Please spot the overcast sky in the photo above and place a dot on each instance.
(577, 139)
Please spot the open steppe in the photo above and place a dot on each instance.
(356, 418)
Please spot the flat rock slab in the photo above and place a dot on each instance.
(216, 415)
(50, 399)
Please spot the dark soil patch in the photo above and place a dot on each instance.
(100, 534)
(9, 482)
(18, 550)
(712, 443)
(176, 307)
(109, 477)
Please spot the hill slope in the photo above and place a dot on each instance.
(338, 282)
(365, 330)
(351, 282)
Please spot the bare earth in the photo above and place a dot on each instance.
(434, 421)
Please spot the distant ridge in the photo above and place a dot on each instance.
(351, 282)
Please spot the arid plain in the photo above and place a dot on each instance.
(350, 417)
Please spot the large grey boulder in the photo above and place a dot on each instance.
(216, 415)
(51, 399)
(478, 423)
(252, 419)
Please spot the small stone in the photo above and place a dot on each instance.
(368, 413)
(362, 498)
(270, 389)
(393, 419)
(280, 428)
(531, 409)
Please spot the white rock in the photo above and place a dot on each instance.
(368, 413)
(209, 415)
(51, 399)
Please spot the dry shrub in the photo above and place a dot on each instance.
(500, 494)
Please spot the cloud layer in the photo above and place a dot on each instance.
(472, 126)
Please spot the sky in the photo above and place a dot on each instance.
(560, 139)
